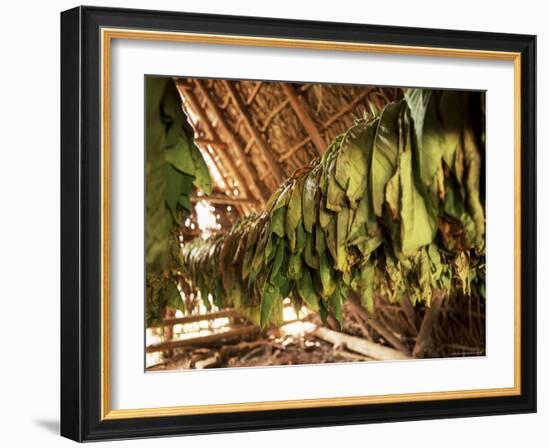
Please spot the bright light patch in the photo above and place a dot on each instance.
(206, 219)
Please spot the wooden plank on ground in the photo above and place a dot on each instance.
(200, 341)
(199, 317)
(359, 345)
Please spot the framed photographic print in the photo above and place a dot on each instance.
(275, 224)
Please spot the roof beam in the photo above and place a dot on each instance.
(302, 110)
(226, 160)
(348, 107)
(186, 92)
(215, 143)
(221, 199)
(274, 166)
(247, 169)
(252, 96)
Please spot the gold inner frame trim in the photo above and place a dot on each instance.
(107, 35)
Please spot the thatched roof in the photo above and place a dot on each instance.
(255, 134)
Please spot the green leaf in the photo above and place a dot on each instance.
(473, 166)
(366, 284)
(179, 155)
(294, 209)
(279, 259)
(393, 195)
(173, 296)
(384, 154)
(310, 203)
(330, 238)
(320, 242)
(202, 175)
(326, 275)
(325, 217)
(342, 225)
(278, 222)
(418, 100)
(424, 275)
(307, 291)
(176, 184)
(353, 162)
(310, 256)
(300, 239)
(417, 226)
(270, 296)
(335, 196)
(294, 266)
(335, 306)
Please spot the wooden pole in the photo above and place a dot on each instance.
(245, 115)
(347, 108)
(249, 330)
(247, 169)
(359, 345)
(221, 199)
(430, 318)
(228, 164)
(304, 115)
(257, 88)
(382, 331)
(169, 313)
(214, 143)
(199, 318)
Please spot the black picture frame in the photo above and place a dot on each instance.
(81, 224)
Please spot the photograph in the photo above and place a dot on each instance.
(291, 223)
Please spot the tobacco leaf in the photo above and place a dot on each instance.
(384, 154)
(392, 207)
(310, 202)
(307, 291)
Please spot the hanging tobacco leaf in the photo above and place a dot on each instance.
(393, 207)
(173, 166)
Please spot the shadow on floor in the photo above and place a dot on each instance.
(49, 425)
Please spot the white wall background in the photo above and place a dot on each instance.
(29, 220)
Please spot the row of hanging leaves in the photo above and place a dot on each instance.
(173, 166)
(393, 207)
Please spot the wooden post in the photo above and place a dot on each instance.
(301, 110)
(381, 330)
(430, 318)
(169, 313)
(245, 115)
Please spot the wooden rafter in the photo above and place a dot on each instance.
(295, 148)
(187, 92)
(304, 115)
(273, 114)
(247, 179)
(347, 108)
(246, 119)
(229, 313)
(247, 169)
(221, 199)
(343, 111)
(214, 143)
(251, 97)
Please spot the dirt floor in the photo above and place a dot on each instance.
(274, 347)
